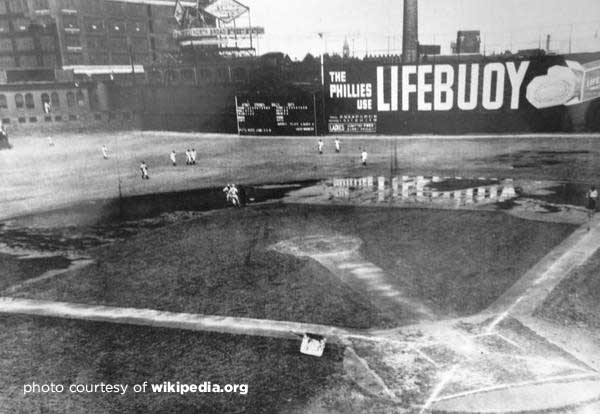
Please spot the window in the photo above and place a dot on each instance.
(6, 45)
(54, 100)
(69, 5)
(121, 59)
(155, 76)
(48, 43)
(115, 8)
(46, 24)
(19, 102)
(74, 58)
(94, 26)
(80, 98)
(70, 99)
(94, 101)
(118, 44)
(223, 74)
(98, 58)
(20, 24)
(29, 101)
(70, 22)
(205, 73)
(187, 75)
(46, 102)
(4, 26)
(7, 61)
(41, 5)
(97, 44)
(134, 10)
(172, 76)
(49, 61)
(24, 43)
(17, 6)
(117, 27)
(28, 61)
(92, 8)
(139, 45)
(72, 41)
(3, 104)
(137, 28)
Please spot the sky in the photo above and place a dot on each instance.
(375, 26)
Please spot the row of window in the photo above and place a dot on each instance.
(46, 100)
(98, 26)
(24, 44)
(21, 24)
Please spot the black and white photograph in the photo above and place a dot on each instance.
(299, 206)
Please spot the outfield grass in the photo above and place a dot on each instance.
(456, 262)
(67, 352)
(74, 170)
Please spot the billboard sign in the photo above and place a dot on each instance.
(226, 10)
(482, 95)
(591, 82)
(231, 32)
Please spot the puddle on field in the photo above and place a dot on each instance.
(441, 192)
(529, 199)
(53, 240)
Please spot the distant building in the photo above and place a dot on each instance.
(75, 34)
(346, 49)
(467, 41)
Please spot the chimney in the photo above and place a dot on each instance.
(410, 32)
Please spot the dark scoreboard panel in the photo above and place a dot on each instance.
(275, 115)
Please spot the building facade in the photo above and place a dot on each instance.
(79, 33)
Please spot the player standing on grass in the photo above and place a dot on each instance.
(104, 152)
(173, 157)
(363, 156)
(337, 145)
(320, 146)
(193, 156)
(144, 169)
(188, 157)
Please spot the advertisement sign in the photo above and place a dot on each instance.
(481, 95)
(591, 82)
(226, 10)
(275, 115)
(231, 32)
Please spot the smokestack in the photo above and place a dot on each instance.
(410, 32)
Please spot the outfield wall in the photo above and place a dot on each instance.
(488, 95)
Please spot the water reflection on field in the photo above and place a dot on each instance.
(438, 191)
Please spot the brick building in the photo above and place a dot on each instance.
(78, 33)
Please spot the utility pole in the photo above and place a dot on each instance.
(322, 36)
(570, 38)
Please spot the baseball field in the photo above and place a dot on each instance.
(85, 231)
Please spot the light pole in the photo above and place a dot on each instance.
(323, 124)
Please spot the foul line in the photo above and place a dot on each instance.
(566, 378)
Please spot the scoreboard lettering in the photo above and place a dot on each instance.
(275, 116)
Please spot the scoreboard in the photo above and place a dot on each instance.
(275, 115)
